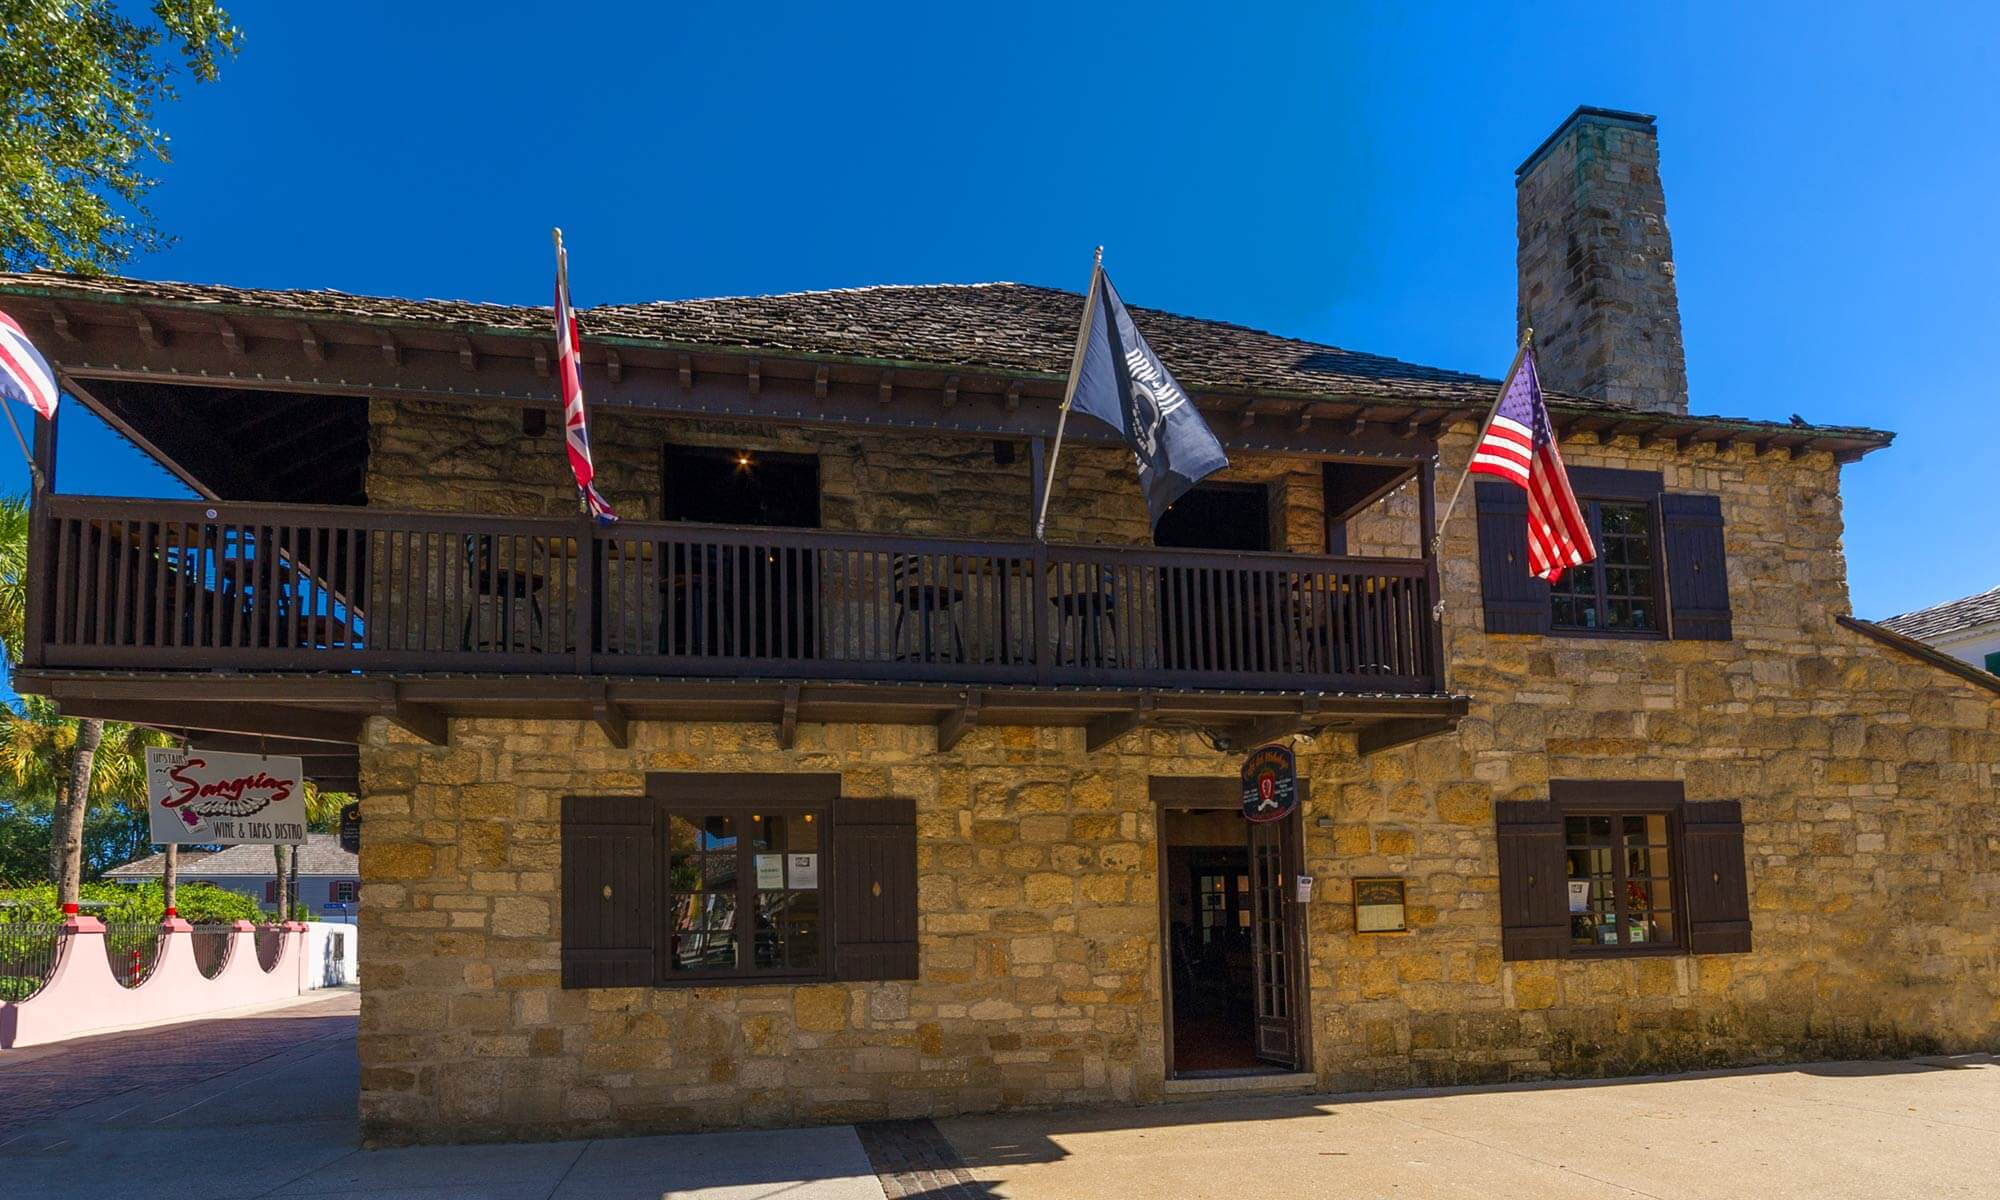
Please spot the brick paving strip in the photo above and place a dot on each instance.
(913, 1161)
(43, 1082)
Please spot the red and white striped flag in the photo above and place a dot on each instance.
(24, 373)
(569, 371)
(1519, 445)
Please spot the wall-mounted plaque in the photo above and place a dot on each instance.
(1378, 906)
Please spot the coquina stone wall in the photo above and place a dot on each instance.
(1866, 779)
(457, 458)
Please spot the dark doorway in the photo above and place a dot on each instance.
(1218, 516)
(736, 598)
(1196, 618)
(1235, 1000)
(1210, 940)
(739, 487)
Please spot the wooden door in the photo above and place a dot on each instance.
(1273, 964)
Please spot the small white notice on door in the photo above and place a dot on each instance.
(804, 870)
(771, 871)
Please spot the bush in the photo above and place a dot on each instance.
(118, 903)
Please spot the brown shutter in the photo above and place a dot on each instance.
(1516, 602)
(1697, 567)
(1717, 890)
(1534, 897)
(333, 892)
(611, 910)
(874, 889)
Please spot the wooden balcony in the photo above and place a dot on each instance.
(235, 591)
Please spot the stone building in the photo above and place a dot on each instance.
(816, 790)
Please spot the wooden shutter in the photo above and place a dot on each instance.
(1516, 602)
(270, 891)
(1697, 567)
(874, 889)
(1718, 892)
(1534, 897)
(333, 892)
(611, 913)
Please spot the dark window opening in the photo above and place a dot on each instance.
(1218, 516)
(1993, 662)
(744, 894)
(1619, 592)
(714, 486)
(1620, 879)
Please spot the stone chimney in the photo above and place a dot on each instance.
(1596, 264)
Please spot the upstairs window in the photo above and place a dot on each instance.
(1619, 592)
(1662, 568)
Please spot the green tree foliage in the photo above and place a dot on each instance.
(79, 83)
(39, 756)
(125, 903)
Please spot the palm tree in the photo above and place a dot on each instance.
(74, 760)
(41, 753)
(322, 810)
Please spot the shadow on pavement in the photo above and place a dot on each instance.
(1040, 1146)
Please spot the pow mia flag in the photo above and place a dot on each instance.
(1118, 379)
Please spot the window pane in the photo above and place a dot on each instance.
(683, 834)
(684, 873)
(767, 832)
(719, 874)
(802, 931)
(804, 832)
(718, 833)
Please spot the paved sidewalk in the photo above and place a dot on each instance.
(1923, 1129)
(264, 1106)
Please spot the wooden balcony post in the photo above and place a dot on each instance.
(1434, 592)
(1038, 600)
(587, 619)
(41, 572)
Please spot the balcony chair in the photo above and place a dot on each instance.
(919, 584)
(1088, 605)
(503, 582)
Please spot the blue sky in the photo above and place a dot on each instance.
(1334, 172)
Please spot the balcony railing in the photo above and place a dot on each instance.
(144, 584)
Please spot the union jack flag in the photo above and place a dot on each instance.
(24, 373)
(569, 371)
(1519, 445)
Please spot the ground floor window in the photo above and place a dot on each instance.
(1621, 866)
(709, 878)
(1620, 881)
(744, 889)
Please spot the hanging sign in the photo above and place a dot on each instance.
(206, 797)
(1270, 783)
(350, 827)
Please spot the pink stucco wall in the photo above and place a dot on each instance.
(83, 996)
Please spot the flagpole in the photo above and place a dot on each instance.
(1437, 535)
(1069, 389)
(34, 468)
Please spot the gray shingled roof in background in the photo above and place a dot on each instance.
(321, 855)
(1943, 620)
(992, 326)
(1000, 327)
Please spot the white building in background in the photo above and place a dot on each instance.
(329, 877)
(1967, 629)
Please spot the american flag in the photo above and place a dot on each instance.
(569, 369)
(24, 373)
(1519, 445)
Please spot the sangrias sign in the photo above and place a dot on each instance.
(211, 798)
